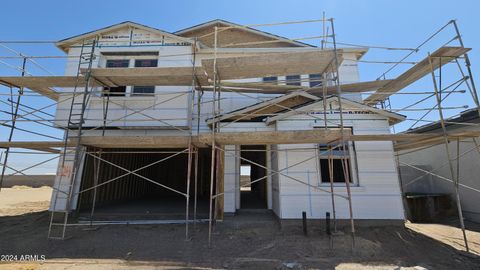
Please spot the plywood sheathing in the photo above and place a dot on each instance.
(226, 37)
(416, 72)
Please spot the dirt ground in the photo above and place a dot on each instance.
(244, 242)
(19, 200)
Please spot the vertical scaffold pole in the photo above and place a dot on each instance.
(467, 63)
(190, 145)
(96, 168)
(342, 139)
(12, 128)
(332, 195)
(214, 125)
(447, 149)
(189, 175)
(195, 196)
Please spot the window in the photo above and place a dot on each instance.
(144, 90)
(315, 80)
(293, 80)
(146, 62)
(270, 80)
(336, 168)
(117, 63)
(115, 91)
(119, 90)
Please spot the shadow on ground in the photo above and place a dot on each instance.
(238, 243)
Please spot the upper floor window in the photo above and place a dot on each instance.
(270, 79)
(293, 80)
(117, 63)
(119, 90)
(315, 80)
(148, 89)
(146, 62)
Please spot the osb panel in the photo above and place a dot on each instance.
(233, 36)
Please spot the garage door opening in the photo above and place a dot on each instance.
(253, 195)
(133, 197)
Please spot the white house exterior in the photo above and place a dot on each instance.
(375, 187)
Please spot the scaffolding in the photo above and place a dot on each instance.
(214, 77)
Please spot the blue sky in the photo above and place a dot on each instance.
(384, 23)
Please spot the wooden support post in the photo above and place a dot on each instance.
(332, 196)
(187, 196)
(220, 172)
(344, 144)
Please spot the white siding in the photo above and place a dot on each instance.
(375, 191)
(232, 172)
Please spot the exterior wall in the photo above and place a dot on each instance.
(174, 110)
(275, 181)
(375, 191)
(231, 178)
(349, 73)
(170, 104)
(435, 159)
(63, 183)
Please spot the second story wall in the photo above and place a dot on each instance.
(132, 106)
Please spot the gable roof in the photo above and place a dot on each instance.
(393, 118)
(268, 107)
(65, 43)
(219, 22)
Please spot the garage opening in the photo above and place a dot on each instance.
(132, 197)
(254, 195)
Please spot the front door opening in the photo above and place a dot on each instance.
(253, 195)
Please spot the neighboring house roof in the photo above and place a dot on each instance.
(65, 43)
(295, 103)
(467, 116)
(219, 22)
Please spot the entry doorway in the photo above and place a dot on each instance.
(253, 195)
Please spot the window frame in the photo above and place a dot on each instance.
(317, 83)
(116, 94)
(353, 168)
(133, 93)
(131, 57)
(296, 82)
(270, 79)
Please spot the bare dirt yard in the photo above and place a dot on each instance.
(247, 241)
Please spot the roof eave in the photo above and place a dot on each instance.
(65, 43)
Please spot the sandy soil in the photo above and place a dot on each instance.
(19, 200)
(238, 243)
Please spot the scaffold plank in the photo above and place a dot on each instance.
(246, 138)
(265, 88)
(440, 57)
(273, 64)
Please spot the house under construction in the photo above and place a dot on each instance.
(194, 125)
